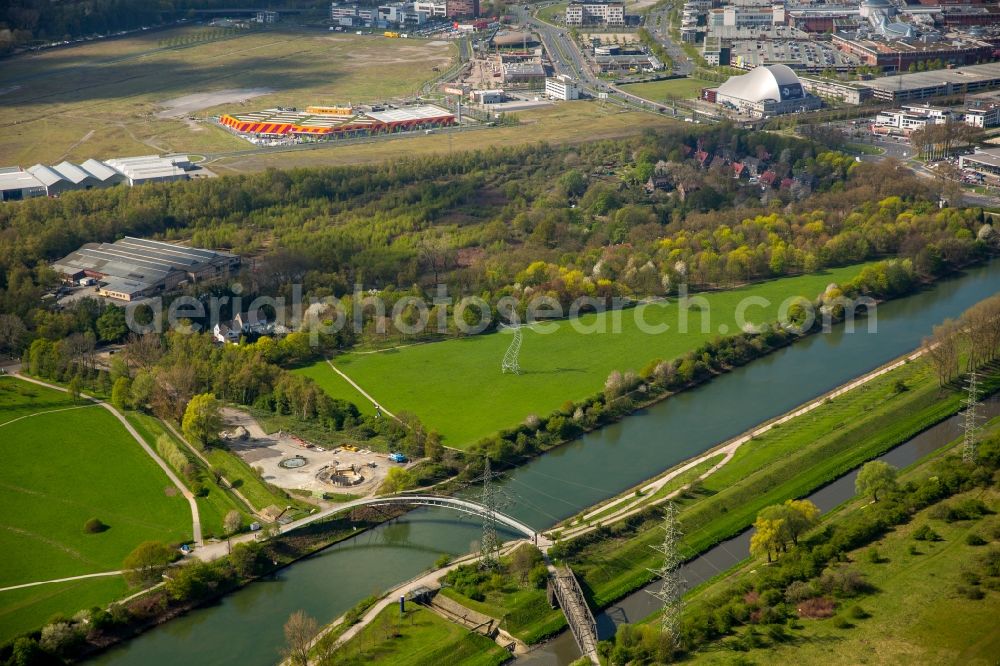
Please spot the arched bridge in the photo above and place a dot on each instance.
(454, 503)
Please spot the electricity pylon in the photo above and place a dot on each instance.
(511, 359)
(489, 545)
(671, 587)
(970, 424)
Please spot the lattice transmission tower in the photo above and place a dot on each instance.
(489, 545)
(671, 587)
(970, 424)
(512, 358)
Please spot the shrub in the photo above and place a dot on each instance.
(94, 526)
(841, 622)
(874, 556)
(973, 592)
(974, 539)
(816, 608)
(799, 591)
(858, 613)
(925, 533)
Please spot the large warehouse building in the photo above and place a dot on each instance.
(40, 180)
(921, 85)
(335, 122)
(135, 268)
(768, 90)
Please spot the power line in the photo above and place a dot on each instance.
(671, 589)
(970, 424)
(489, 545)
(511, 359)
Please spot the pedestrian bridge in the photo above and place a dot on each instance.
(465, 506)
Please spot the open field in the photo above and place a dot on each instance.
(456, 386)
(60, 469)
(28, 609)
(419, 638)
(555, 13)
(216, 503)
(134, 95)
(563, 123)
(661, 91)
(784, 463)
(917, 613)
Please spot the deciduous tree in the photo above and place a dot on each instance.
(874, 478)
(202, 420)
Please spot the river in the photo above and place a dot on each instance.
(245, 628)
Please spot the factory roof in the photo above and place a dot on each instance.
(18, 180)
(138, 260)
(72, 172)
(410, 113)
(957, 76)
(47, 175)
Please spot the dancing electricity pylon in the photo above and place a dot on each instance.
(511, 359)
(970, 424)
(671, 589)
(489, 545)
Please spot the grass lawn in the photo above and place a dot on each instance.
(456, 387)
(101, 99)
(917, 614)
(661, 91)
(785, 463)
(59, 470)
(555, 14)
(28, 609)
(248, 483)
(864, 149)
(419, 638)
(214, 506)
(525, 613)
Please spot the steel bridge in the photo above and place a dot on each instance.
(465, 506)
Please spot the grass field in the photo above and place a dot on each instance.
(917, 615)
(661, 91)
(213, 507)
(249, 484)
(102, 99)
(565, 123)
(28, 609)
(60, 469)
(555, 14)
(784, 463)
(456, 386)
(525, 613)
(419, 638)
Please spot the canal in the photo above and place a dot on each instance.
(245, 628)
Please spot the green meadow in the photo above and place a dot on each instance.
(456, 386)
(60, 469)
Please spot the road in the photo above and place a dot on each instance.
(567, 59)
(658, 24)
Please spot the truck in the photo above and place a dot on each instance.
(390, 35)
(398, 458)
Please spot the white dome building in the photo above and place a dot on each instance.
(768, 90)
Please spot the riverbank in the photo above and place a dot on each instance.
(911, 572)
(907, 395)
(784, 463)
(555, 486)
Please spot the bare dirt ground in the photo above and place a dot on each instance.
(265, 451)
(178, 107)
